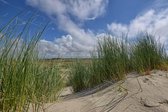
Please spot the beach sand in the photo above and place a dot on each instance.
(134, 94)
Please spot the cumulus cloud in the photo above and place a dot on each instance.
(153, 21)
(80, 41)
(63, 47)
(117, 28)
(82, 9)
(86, 9)
(61, 11)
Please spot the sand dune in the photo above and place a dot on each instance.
(135, 94)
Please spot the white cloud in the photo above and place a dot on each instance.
(152, 21)
(114, 28)
(63, 47)
(86, 9)
(78, 39)
(82, 9)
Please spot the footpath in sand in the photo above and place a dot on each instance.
(135, 94)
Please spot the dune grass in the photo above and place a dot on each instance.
(109, 64)
(115, 58)
(23, 81)
(79, 76)
(147, 54)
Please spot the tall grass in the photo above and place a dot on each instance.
(23, 80)
(109, 64)
(113, 57)
(147, 54)
(80, 76)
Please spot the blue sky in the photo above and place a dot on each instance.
(75, 25)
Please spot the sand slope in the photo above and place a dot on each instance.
(135, 94)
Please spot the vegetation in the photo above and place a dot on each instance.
(147, 54)
(115, 59)
(23, 81)
(26, 82)
(110, 64)
(80, 76)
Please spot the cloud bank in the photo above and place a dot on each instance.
(61, 11)
(79, 41)
(152, 21)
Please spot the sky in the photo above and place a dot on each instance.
(76, 25)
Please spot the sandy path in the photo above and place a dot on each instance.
(135, 94)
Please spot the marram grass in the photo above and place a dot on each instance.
(79, 76)
(110, 64)
(23, 81)
(147, 54)
(115, 58)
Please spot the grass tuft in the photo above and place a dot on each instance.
(147, 54)
(80, 76)
(23, 81)
(109, 64)
(113, 57)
